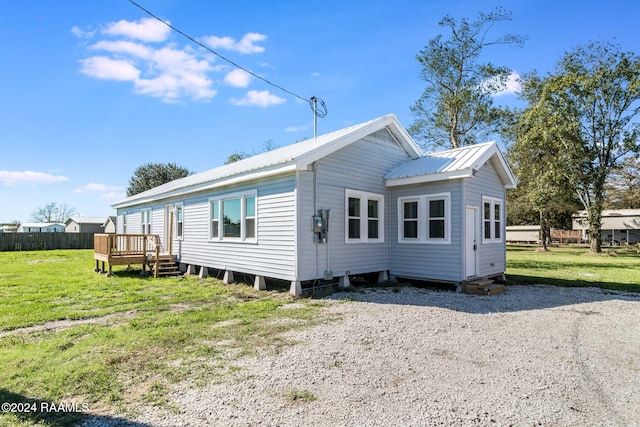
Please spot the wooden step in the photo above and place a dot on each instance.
(482, 287)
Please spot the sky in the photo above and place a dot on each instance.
(91, 90)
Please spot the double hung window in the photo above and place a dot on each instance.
(146, 221)
(425, 219)
(179, 221)
(492, 214)
(364, 219)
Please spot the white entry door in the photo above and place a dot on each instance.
(168, 224)
(471, 241)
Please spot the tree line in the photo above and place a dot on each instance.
(574, 145)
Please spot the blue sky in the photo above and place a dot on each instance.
(90, 90)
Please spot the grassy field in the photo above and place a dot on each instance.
(68, 334)
(614, 269)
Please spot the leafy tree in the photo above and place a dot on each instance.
(456, 107)
(584, 115)
(622, 190)
(53, 212)
(152, 175)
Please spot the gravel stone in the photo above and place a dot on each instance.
(533, 355)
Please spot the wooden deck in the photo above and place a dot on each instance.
(127, 249)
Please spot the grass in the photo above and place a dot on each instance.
(156, 332)
(615, 268)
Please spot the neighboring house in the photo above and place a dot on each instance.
(41, 227)
(523, 233)
(109, 225)
(9, 228)
(359, 200)
(619, 226)
(84, 224)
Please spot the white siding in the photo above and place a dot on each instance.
(360, 166)
(424, 260)
(274, 253)
(491, 256)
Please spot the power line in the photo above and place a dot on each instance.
(312, 101)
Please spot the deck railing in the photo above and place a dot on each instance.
(126, 244)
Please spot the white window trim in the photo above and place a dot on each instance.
(493, 201)
(419, 238)
(243, 217)
(423, 219)
(364, 216)
(179, 206)
(124, 223)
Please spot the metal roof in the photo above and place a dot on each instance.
(297, 156)
(457, 163)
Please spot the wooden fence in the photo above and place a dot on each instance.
(44, 241)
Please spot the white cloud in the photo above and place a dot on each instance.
(169, 73)
(147, 30)
(262, 98)
(124, 47)
(13, 178)
(296, 129)
(83, 34)
(315, 74)
(98, 188)
(113, 196)
(238, 78)
(245, 45)
(513, 85)
(131, 53)
(102, 67)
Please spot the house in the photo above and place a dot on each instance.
(109, 224)
(9, 228)
(84, 224)
(41, 227)
(619, 226)
(523, 233)
(359, 200)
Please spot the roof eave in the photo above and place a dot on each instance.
(224, 182)
(433, 177)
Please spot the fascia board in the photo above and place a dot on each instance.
(420, 179)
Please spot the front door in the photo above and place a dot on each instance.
(471, 241)
(168, 224)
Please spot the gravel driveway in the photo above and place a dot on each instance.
(533, 355)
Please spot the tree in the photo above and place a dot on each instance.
(151, 175)
(456, 107)
(622, 190)
(584, 114)
(53, 212)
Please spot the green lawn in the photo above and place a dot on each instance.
(615, 268)
(146, 333)
(135, 336)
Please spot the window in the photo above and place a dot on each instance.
(233, 218)
(354, 218)
(124, 223)
(364, 219)
(409, 223)
(215, 220)
(179, 221)
(425, 219)
(146, 221)
(491, 219)
(436, 219)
